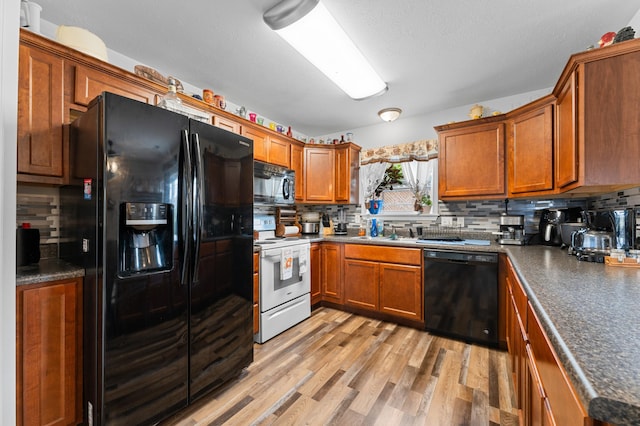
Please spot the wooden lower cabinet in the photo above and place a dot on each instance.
(385, 280)
(331, 276)
(361, 288)
(49, 353)
(544, 394)
(401, 291)
(316, 274)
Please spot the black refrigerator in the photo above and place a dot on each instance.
(159, 212)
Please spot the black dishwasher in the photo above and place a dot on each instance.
(461, 295)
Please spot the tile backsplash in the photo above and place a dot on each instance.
(40, 206)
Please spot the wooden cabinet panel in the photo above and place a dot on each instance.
(297, 165)
(332, 284)
(401, 291)
(49, 353)
(89, 83)
(403, 255)
(319, 165)
(472, 162)
(361, 284)
(227, 124)
(260, 142)
(316, 273)
(530, 151)
(566, 151)
(279, 151)
(347, 174)
(40, 113)
(563, 401)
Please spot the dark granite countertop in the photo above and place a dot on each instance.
(47, 270)
(591, 314)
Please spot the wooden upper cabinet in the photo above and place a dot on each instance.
(226, 123)
(530, 149)
(597, 120)
(40, 115)
(260, 142)
(472, 160)
(279, 151)
(566, 150)
(89, 83)
(297, 165)
(347, 163)
(319, 166)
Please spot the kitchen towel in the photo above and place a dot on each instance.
(303, 260)
(286, 264)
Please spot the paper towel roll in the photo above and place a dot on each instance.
(289, 230)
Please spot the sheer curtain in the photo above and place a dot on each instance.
(422, 179)
(370, 177)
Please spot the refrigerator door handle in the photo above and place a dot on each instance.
(198, 206)
(186, 224)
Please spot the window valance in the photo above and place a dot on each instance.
(422, 150)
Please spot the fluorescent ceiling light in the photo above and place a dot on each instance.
(309, 27)
(390, 114)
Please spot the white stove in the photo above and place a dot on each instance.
(285, 279)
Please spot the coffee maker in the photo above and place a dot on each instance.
(145, 237)
(623, 223)
(511, 230)
(550, 220)
(341, 226)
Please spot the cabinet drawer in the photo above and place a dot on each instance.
(518, 294)
(405, 256)
(563, 401)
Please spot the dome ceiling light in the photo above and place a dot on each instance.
(390, 114)
(308, 26)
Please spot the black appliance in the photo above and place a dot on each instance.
(461, 295)
(27, 245)
(159, 211)
(273, 185)
(549, 232)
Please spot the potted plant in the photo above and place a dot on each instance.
(422, 203)
(392, 176)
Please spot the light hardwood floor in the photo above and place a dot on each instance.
(343, 369)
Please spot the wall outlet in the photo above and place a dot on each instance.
(446, 220)
(357, 218)
(460, 222)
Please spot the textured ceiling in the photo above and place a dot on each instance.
(433, 54)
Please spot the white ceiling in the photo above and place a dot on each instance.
(433, 54)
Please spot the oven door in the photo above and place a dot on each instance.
(273, 290)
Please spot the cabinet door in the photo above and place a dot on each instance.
(472, 162)
(260, 147)
(40, 113)
(49, 342)
(347, 160)
(401, 292)
(566, 152)
(530, 152)
(297, 165)
(279, 151)
(361, 287)
(89, 83)
(332, 285)
(316, 273)
(342, 191)
(319, 166)
(227, 124)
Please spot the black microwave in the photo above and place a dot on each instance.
(273, 185)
